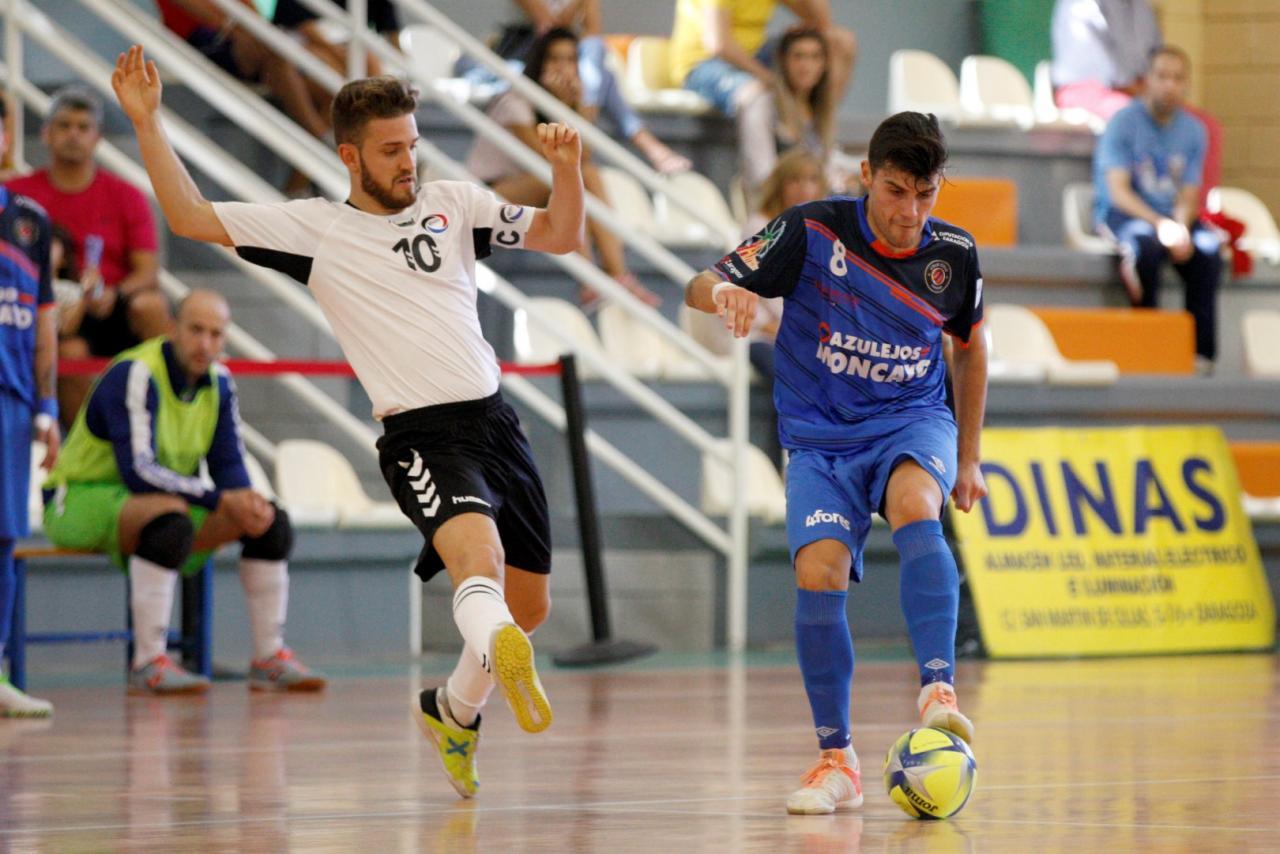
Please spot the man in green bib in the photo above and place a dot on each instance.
(129, 483)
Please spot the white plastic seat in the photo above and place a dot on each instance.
(713, 225)
(1047, 111)
(993, 90)
(648, 84)
(258, 476)
(1261, 328)
(1020, 337)
(1077, 221)
(537, 344)
(1261, 236)
(319, 487)
(646, 352)
(920, 81)
(431, 53)
(1002, 372)
(766, 494)
(1261, 509)
(629, 199)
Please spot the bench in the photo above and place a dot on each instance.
(194, 641)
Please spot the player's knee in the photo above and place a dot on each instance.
(166, 540)
(822, 566)
(276, 543)
(913, 506)
(530, 614)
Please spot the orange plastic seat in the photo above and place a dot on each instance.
(1259, 467)
(1138, 340)
(987, 208)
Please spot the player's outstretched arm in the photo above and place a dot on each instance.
(561, 227)
(709, 293)
(970, 377)
(137, 86)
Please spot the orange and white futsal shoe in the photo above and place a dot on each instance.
(833, 783)
(938, 708)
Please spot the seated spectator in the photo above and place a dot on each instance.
(719, 50)
(70, 294)
(7, 171)
(601, 94)
(1147, 170)
(238, 52)
(553, 64)
(1101, 51)
(296, 18)
(128, 483)
(111, 222)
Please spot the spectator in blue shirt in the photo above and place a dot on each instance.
(1147, 169)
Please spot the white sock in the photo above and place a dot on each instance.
(468, 688)
(479, 608)
(151, 589)
(266, 593)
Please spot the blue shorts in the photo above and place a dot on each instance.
(832, 496)
(719, 81)
(15, 466)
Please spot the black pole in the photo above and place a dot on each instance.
(604, 649)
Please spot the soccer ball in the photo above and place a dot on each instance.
(930, 773)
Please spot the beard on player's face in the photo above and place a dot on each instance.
(396, 193)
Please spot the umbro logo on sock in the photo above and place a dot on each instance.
(826, 731)
(937, 664)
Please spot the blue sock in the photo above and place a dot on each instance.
(825, 651)
(7, 584)
(930, 595)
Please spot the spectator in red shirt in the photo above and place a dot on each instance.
(114, 231)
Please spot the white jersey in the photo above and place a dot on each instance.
(399, 291)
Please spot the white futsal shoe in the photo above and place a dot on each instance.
(17, 704)
(938, 708)
(833, 783)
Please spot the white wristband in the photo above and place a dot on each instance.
(720, 286)
(43, 422)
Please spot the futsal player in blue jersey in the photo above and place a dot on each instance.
(870, 286)
(28, 394)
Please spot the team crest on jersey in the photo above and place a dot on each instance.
(436, 223)
(511, 213)
(937, 276)
(24, 229)
(753, 253)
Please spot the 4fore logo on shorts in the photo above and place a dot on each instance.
(822, 517)
(420, 483)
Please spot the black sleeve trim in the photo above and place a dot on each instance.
(295, 266)
(482, 237)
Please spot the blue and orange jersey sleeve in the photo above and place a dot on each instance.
(769, 262)
(969, 316)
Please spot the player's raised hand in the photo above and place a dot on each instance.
(561, 144)
(970, 486)
(737, 306)
(137, 85)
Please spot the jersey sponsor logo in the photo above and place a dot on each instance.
(437, 223)
(465, 499)
(729, 267)
(510, 213)
(13, 312)
(753, 252)
(822, 517)
(953, 237)
(937, 275)
(24, 229)
(844, 353)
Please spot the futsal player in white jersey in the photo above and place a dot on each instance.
(393, 268)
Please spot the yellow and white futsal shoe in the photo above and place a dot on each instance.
(511, 659)
(455, 743)
(938, 708)
(833, 783)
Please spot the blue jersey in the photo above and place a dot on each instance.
(25, 288)
(1160, 159)
(859, 351)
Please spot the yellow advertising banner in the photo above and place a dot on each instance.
(1113, 541)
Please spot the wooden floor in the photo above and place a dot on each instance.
(1157, 754)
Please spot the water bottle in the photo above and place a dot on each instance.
(93, 261)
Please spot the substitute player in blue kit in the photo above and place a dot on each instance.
(28, 395)
(870, 286)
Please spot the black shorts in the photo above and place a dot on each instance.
(215, 45)
(109, 335)
(468, 457)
